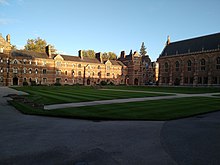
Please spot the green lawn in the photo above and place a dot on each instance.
(147, 110)
(184, 90)
(66, 94)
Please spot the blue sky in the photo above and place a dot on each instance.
(108, 25)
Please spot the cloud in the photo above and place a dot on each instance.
(4, 2)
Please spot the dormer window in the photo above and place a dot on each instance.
(15, 62)
(58, 63)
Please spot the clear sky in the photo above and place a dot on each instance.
(108, 25)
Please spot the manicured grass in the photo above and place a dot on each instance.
(66, 94)
(184, 90)
(147, 110)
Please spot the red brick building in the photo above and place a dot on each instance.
(22, 67)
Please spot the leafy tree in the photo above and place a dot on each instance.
(38, 45)
(112, 56)
(109, 56)
(88, 53)
(143, 51)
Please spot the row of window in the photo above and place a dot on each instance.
(58, 72)
(190, 80)
(25, 70)
(58, 64)
(189, 65)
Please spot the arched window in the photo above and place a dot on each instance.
(202, 63)
(177, 66)
(218, 63)
(30, 71)
(99, 74)
(189, 65)
(79, 65)
(99, 67)
(79, 74)
(166, 66)
(25, 70)
(36, 71)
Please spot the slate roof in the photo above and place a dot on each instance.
(28, 54)
(203, 43)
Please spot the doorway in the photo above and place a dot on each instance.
(15, 81)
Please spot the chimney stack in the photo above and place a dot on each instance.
(99, 57)
(8, 38)
(122, 54)
(80, 54)
(48, 51)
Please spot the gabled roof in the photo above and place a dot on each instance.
(116, 62)
(199, 44)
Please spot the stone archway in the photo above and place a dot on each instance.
(135, 81)
(15, 81)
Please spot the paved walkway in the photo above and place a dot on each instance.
(103, 102)
(41, 140)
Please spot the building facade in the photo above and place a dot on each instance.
(139, 70)
(22, 67)
(191, 62)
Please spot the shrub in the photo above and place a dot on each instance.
(57, 84)
(25, 83)
(103, 83)
(111, 83)
(33, 83)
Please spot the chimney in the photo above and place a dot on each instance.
(99, 57)
(48, 51)
(80, 54)
(8, 38)
(122, 54)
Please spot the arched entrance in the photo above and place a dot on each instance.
(15, 81)
(177, 81)
(88, 81)
(136, 81)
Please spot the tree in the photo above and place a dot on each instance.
(143, 51)
(109, 56)
(38, 45)
(88, 53)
